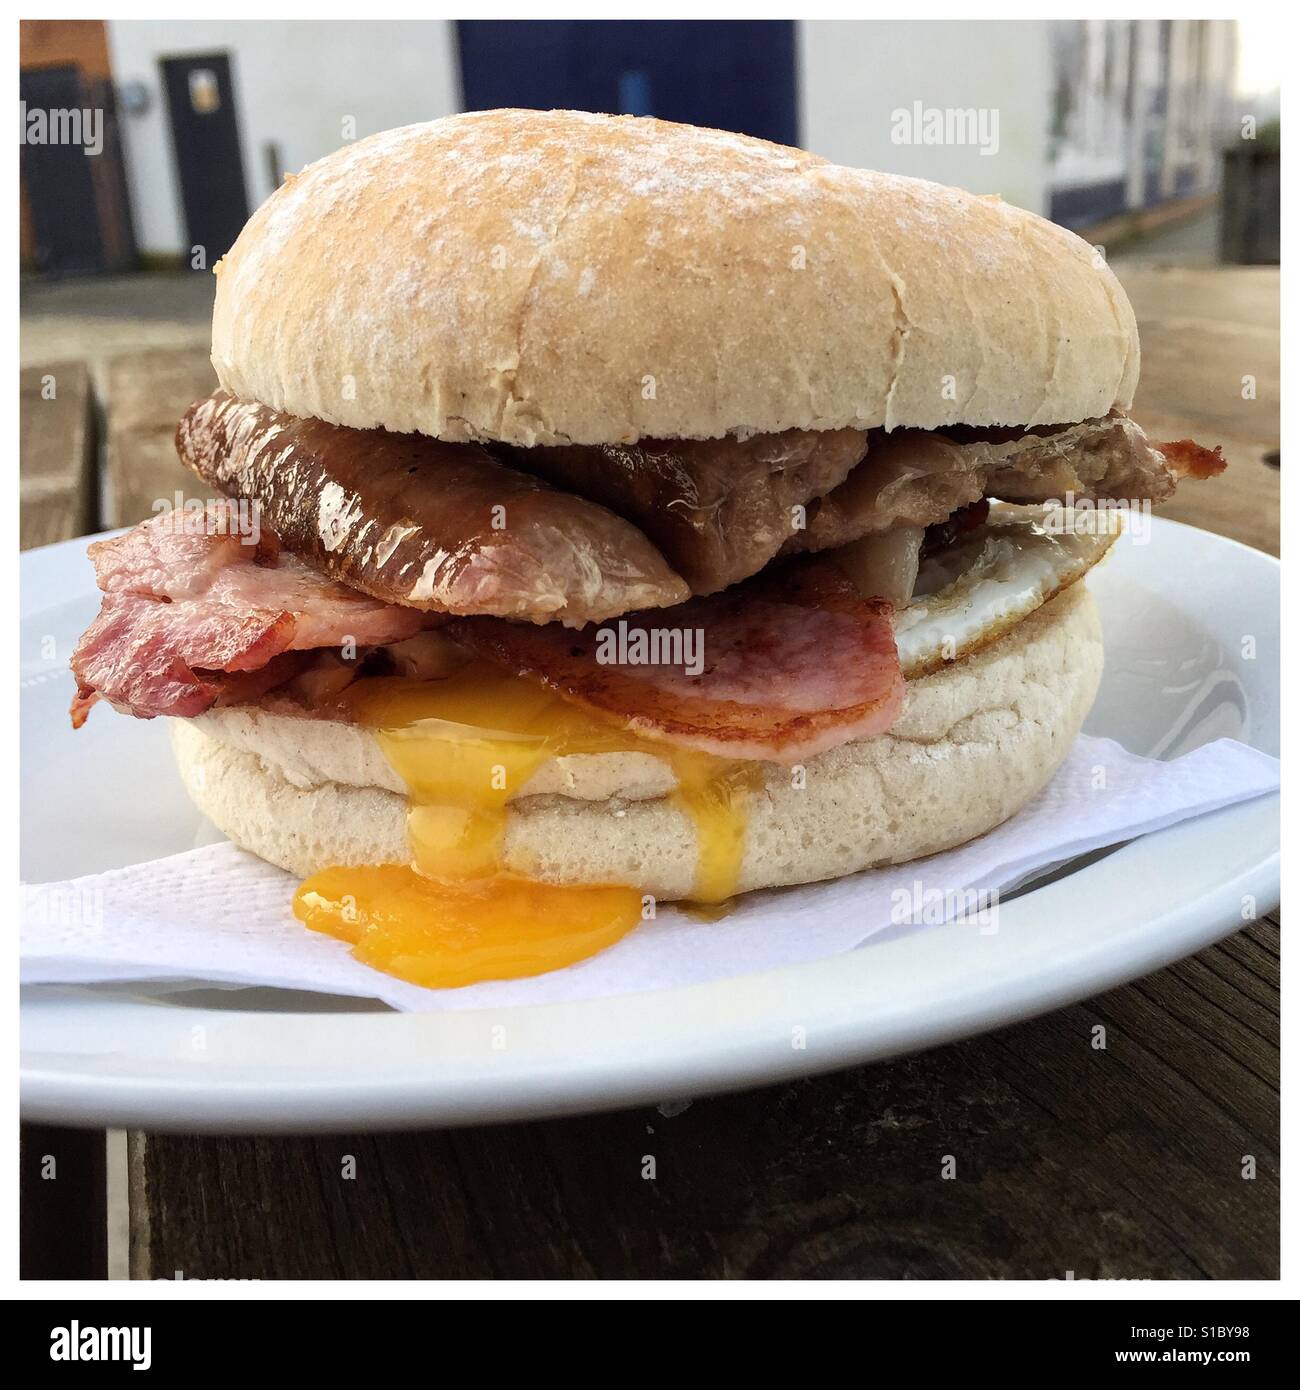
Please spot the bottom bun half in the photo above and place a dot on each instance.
(973, 744)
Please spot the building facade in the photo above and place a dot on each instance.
(1080, 120)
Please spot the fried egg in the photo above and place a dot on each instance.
(976, 590)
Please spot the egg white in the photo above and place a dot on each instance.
(976, 590)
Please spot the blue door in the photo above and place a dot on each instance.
(732, 74)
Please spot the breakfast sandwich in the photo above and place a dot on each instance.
(602, 512)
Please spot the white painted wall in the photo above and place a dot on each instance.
(295, 81)
(854, 76)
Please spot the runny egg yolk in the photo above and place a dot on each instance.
(443, 934)
(465, 745)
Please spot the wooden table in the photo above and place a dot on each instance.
(1123, 1163)
(1211, 372)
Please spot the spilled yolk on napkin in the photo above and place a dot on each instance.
(464, 745)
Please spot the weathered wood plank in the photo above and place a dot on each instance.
(1211, 371)
(56, 453)
(1122, 1162)
(147, 393)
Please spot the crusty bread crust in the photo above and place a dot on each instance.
(974, 743)
(547, 277)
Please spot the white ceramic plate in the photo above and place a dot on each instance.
(1179, 613)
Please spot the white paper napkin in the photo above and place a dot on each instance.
(220, 916)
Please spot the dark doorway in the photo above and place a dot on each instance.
(205, 142)
(60, 182)
(732, 74)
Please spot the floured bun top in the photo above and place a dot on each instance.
(547, 277)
